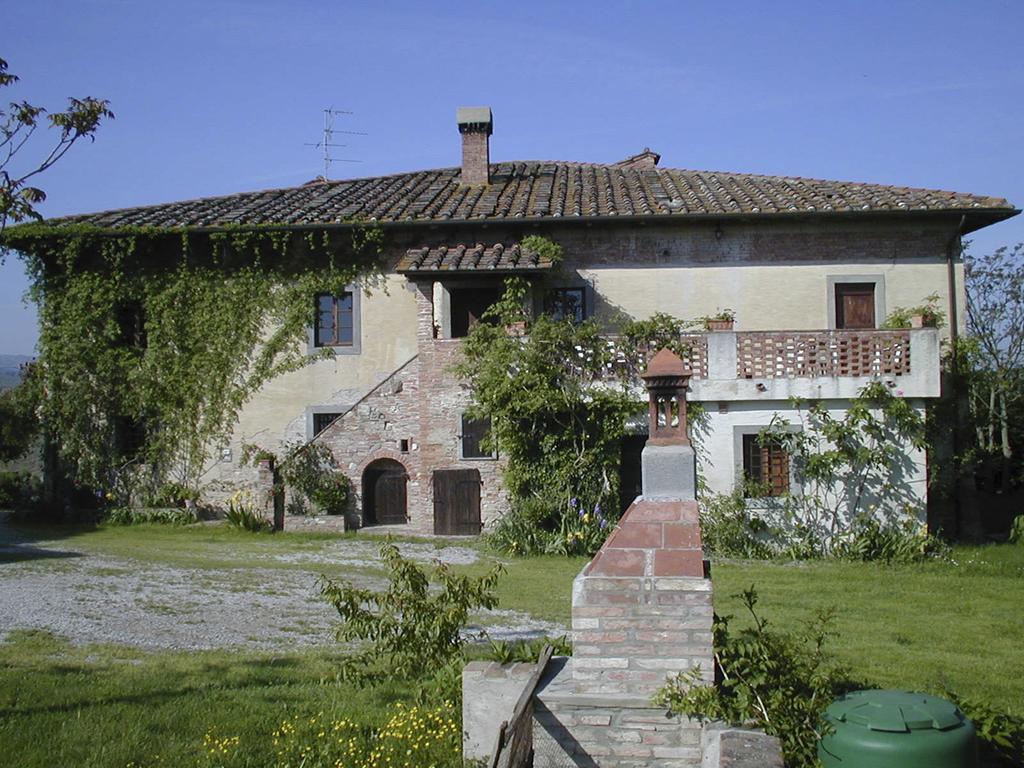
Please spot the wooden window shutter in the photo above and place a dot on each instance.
(855, 305)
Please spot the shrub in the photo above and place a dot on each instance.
(331, 493)
(242, 514)
(728, 529)
(527, 651)
(411, 630)
(1017, 530)
(171, 495)
(731, 528)
(309, 469)
(162, 515)
(557, 432)
(895, 541)
(766, 679)
(19, 490)
(1000, 733)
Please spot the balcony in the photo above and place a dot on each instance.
(818, 365)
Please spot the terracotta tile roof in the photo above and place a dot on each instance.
(548, 190)
(474, 258)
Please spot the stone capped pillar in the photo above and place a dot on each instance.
(641, 612)
(641, 608)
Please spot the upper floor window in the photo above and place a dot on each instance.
(474, 435)
(855, 305)
(468, 305)
(335, 320)
(765, 466)
(567, 304)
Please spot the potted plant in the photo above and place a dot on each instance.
(722, 320)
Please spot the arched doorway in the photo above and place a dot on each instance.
(384, 499)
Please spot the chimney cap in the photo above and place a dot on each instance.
(666, 364)
(474, 118)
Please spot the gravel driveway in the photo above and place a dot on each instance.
(94, 598)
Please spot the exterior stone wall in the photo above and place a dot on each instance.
(573, 729)
(686, 269)
(422, 403)
(374, 428)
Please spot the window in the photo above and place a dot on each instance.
(468, 306)
(567, 304)
(855, 305)
(765, 466)
(335, 320)
(322, 421)
(474, 434)
(131, 324)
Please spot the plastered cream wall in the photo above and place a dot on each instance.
(721, 462)
(277, 413)
(764, 297)
(775, 276)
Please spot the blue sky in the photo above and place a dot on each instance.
(219, 96)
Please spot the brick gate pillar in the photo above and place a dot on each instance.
(641, 612)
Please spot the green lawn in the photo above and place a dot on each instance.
(103, 706)
(959, 623)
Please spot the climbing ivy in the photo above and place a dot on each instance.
(152, 339)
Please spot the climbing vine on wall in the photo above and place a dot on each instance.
(151, 340)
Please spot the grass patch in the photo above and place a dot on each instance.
(923, 627)
(104, 706)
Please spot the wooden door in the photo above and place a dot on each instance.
(855, 305)
(389, 497)
(456, 502)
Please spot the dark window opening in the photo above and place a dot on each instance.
(131, 324)
(475, 434)
(855, 305)
(322, 421)
(335, 321)
(567, 304)
(468, 306)
(765, 467)
(129, 437)
(403, 446)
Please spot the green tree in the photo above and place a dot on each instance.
(995, 350)
(81, 119)
(19, 424)
(556, 417)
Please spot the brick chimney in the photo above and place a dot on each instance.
(475, 125)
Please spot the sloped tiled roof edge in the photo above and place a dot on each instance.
(550, 191)
(499, 257)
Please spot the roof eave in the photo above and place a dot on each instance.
(975, 218)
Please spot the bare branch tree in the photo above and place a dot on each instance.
(18, 123)
(995, 318)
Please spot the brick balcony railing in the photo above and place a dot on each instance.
(631, 361)
(802, 354)
(781, 354)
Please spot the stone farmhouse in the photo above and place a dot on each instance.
(810, 268)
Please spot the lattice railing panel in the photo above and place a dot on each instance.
(630, 361)
(809, 354)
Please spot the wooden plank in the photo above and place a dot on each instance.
(533, 682)
(520, 729)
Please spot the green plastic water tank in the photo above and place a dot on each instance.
(896, 729)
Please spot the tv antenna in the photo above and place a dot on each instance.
(327, 143)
